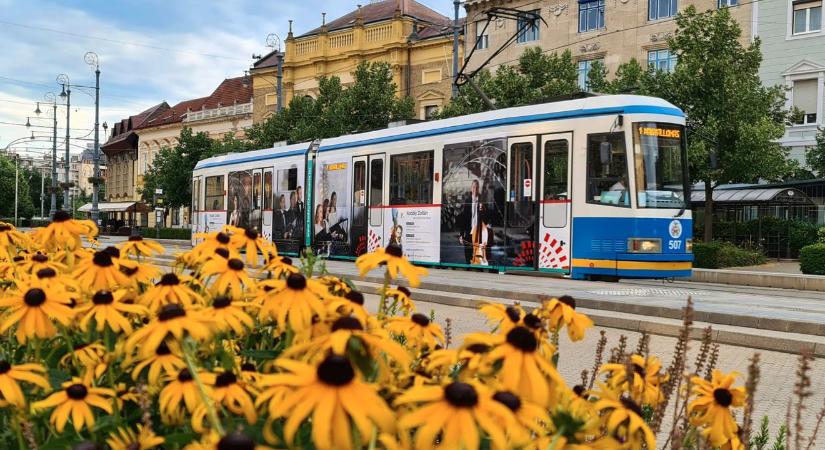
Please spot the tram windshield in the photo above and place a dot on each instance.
(660, 172)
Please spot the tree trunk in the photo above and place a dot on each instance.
(708, 210)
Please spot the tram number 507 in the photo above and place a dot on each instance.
(674, 245)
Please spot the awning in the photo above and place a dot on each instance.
(116, 207)
(752, 195)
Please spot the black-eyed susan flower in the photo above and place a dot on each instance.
(472, 359)
(211, 242)
(646, 379)
(86, 355)
(139, 273)
(101, 271)
(32, 307)
(250, 240)
(107, 308)
(233, 394)
(350, 303)
(182, 391)
(139, 247)
(529, 418)
(335, 396)
(37, 261)
(293, 302)
(418, 329)
(171, 289)
(623, 419)
(336, 285)
(560, 312)
(455, 412)
(525, 363)
(402, 297)
(711, 406)
(11, 239)
(236, 440)
(229, 315)
(396, 263)
(166, 360)
(64, 233)
(75, 400)
(502, 318)
(11, 374)
(230, 276)
(128, 439)
(280, 266)
(173, 320)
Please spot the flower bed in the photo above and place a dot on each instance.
(232, 351)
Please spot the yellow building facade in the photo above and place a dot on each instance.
(416, 41)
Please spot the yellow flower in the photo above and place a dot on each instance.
(335, 396)
(10, 240)
(248, 239)
(623, 418)
(395, 261)
(529, 418)
(403, 297)
(172, 320)
(211, 243)
(646, 379)
(472, 359)
(235, 440)
(128, 439)
(562, 311)
(89, 356)
(457, 411)
(33, 307)
(336, 285)
(76, 400)
(138, 247)
(109, 309)
(351, 302)
(170, 290)
(38, 261)
(229, 315)
(139, 273)
(10, 375)
(166, 359)
(231, 276)
(182, 391)
(294, 302)
(233, 394)
(280, 266)
(101, 271)
(711, 406)
(64, 232)
(418, 329)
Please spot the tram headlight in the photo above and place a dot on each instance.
(644, 245)
(689, 245)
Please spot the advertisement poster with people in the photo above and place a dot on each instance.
(415, 230)
(289, 208)
(332, 208)
(239, 196)
(473, 197)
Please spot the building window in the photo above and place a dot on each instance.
(411, 179)
(805, 98)
(584, 71)
(430, 111)
(662, 60)
(591, 15)
(661, 9)
(271, 99)
(430, 76)
(728, 3)
(482, 38)
(529, 27)
(807, 17)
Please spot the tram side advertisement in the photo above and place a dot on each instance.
(415, 229)
(331, 214)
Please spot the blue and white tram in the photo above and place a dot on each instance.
(586, 188)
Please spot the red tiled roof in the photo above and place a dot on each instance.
(173, 114)
(428, 31)
(268, 60)
(123, 130)
(229, 92)
(384, 10)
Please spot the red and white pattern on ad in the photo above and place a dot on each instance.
(374, 241)
(552, 254)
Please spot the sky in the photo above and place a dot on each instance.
(149, 51)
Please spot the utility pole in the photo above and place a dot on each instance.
(42, 194)
(67, 94)
(456, 28)
(280, 76)
(16, 186)
(53, 206)
(92, 59)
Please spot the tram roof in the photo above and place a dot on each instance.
(583, 107)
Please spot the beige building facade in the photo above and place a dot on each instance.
(611, 31)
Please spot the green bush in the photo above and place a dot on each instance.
(718, 255)
(812, 259)
(166, 233)
(820, 235)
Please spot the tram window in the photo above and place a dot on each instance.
(607, 179)
(411, 179)
(660, 181)
(214, 193)
(376, 191)
(555, 182)
(359, 193)
(521, 168)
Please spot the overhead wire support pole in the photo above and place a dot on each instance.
(456, 29)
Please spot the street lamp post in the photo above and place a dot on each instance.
(456, 29)
(50, 97)
(92, 59)
(63, 79)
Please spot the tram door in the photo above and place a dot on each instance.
(367, 203)
(520, 215)
(555, 212)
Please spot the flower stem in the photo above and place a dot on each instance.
(193, 370)
(382, 306)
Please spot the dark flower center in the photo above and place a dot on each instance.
(4, 227)
(103, 298)
(394, 250)
(286, 260)
(532, 321)
(250, 234)
(235, 264)
(336, 370)
(568, 300)
(513, 313)
(236, 441)
(296, 281)
(478, 348)
(77, 392)
(222, 252)
(579, 390)
(223, 238)
(184, 376)
(633, 406)
(46, 272)
(163, 349)
(102, 259)
(420, 319)
(18, 258)
(60, 216)
(225, 379)
(80, 346)
(347, 323)
(461, 395)
(4, 366)
(522, 339)
(135, 238)
(39, 257)
(222, 302)
(268, 288)
(134, 446)
(170, 311)
(639, 369)
(508, 399)
(169, 279)
(355, 297)
(112, 251)
(35, 297)
(129, 271)
(723, 397)
(248, 367)
(404, 291)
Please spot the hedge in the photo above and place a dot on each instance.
(812, 259)
(166, 233)
(718, 255)
(799, 232)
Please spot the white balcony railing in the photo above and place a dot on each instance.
(223, 111)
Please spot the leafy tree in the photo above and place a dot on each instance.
(815, 155)
(25, 207)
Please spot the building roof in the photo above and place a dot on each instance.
(229, 92)
(89, 155)
(751, 195)
(382, 10)
(123, 131)
(266, 61)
